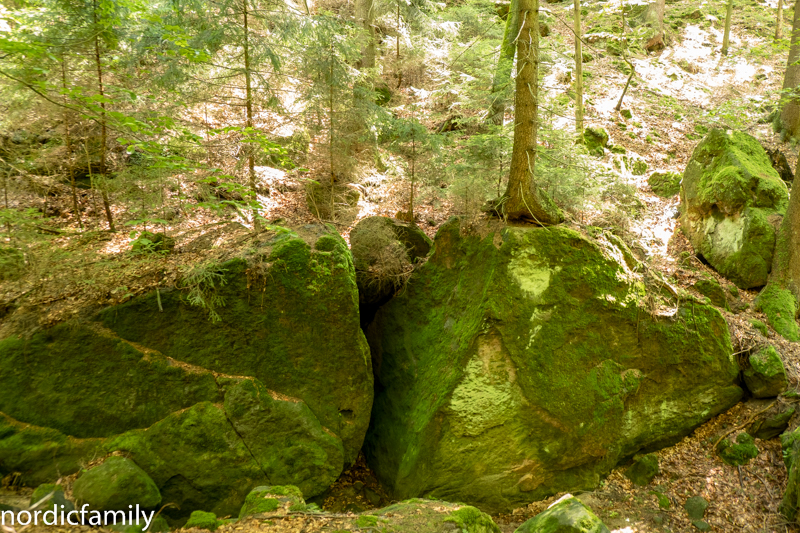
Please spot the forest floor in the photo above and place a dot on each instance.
(680, 92)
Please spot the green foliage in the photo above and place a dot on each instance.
(202, 282)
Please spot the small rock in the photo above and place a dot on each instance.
(766, 377)
(665, 184)
(595, 140)
(713, 290)
(263, 500)
(738, 454)
(696, 507)
(702, 525)
(626, 113)
(567, 515)
(149, 242)
(202, 520)
(771, 424)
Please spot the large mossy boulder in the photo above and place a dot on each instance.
(520, 362)
(790, 442)
(278, 391)
(732, 202)
(115, 484)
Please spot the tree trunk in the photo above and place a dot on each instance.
(779, 22)
(726, 37)
(578, 69)
(523, 198)
(779, 299)
(788, 123)
(68, 139)
(502, 74)
(249, 109)
(103, 132)
(365, 17)
(653, 14)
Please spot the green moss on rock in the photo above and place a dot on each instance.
(766, 376)
(266, 499)
(739, 453)
(115, 484)
(595, 140)
(780, 306)
(665, 184)
(732, 200)
(290, 319)
(510, 332)
(202, 520)
(568, 515)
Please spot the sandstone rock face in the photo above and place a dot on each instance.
(277, 391)
(732, 202)
(520, 362)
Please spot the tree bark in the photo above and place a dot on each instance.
(249, 110)
(502, 74)
(653, 14)
(726, 37)
(788, 123)
(578, 69)
(523, 198)
(103, 130)
(365, 17)
(779, 22)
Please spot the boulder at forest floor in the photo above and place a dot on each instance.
(536, 338)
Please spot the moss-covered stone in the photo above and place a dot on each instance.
(643, 469)
(696, 507)
(790, 442)
(290, 319)
(426, 516)
(780, 306)
(595, 140)
(665, 184)
(115, 484)
(731, 203)
(202, 520)
(739, 453)
(711, 288)
(510, 332)
(772, 423)
(760, 326)
(766, 376)
(568, 515)
(49, 494)
(265, 500)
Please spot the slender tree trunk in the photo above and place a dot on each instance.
(779, 22)
(5, 197)
(251, 165)
(365, 17)
(618, 107)
(578, 69)
(103, 131)
(727, 35)
(502, 74)
(399, 68)
(523, 198)
(68, 139)
(788, 123)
